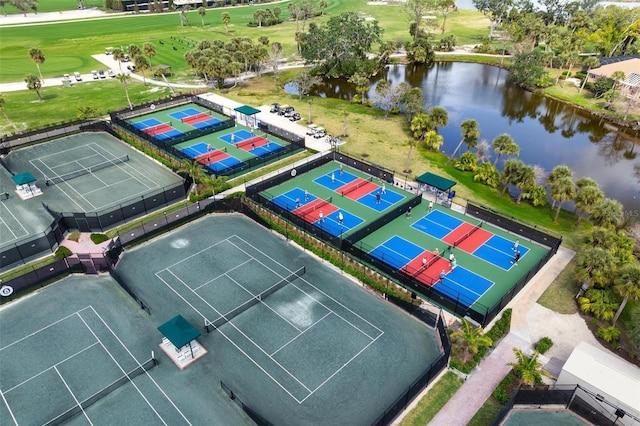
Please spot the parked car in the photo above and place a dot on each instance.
(126, 58)
(275, 107)
(320, 133)
(295, 116)
(131, 67)
(94, 74)
(111, 74)
(311, 130)
(289, 111)
(66, 77)
(101, 74)
(282, 109)
(77, 76)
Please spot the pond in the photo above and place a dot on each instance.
(548, 132)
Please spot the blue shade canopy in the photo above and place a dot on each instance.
(179, 331)
(23, 178)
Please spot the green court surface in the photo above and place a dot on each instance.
(497, 279)
(318, 350)
(543, 417)
(164, 116)
(358, 208)
(71, 340)
(123, 174)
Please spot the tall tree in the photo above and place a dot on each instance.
(510, 172)
(563, 190)
(556, 174)
(495, 10)
(470, 130)
(445, 8)
(608, 213)
(588, 195)
(202, 11)
(527, 69)
(416, 9)
(439, 117)
(590, 62)
(34, 83)
(501, 145)
(142, 64)
(361, 81)
(226, 20)
(124, 79)
(528, 368)
(595, 266)
(149, 50)
(627, 285)
(525, 180)
(38, 57)
(471, 339)
(3, 108)
(134, 50)
(304, 81)
(275, 54)
(118, 56)
(194, 170)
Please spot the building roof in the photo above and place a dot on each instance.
(179, 331)
(247, 110)
(628, 67)
(605, 372)
(443, 184)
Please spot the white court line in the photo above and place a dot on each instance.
(260, 367)
(491, 263)
(84, 413)
(223, 275)
(124, 372)
(122, 166)
(198, 253)
(6, 404)
(14, 218)
(301, 333)
(140, 365)
(393, 251)
(72, 189)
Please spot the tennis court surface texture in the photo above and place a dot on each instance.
(317, 350)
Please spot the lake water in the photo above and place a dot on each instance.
(549, 133)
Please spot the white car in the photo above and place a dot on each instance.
(111, 74)
(311, 129)
(77, 76)
(94, 74)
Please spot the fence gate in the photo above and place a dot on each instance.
(87, 264)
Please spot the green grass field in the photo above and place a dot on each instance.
(53, 6)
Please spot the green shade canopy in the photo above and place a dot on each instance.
(443, 184)
(23, 178)
(179, 331)
(247, 110)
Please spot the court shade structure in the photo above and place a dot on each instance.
(439, 182)
(23, 178)
(179, 331)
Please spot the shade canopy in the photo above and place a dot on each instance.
(179, 331)
(247, 110)
(443, 184)
(23, 178)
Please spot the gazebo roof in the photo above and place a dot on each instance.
(247, 110)
(443, 184)
(179, 331)
(23, 178)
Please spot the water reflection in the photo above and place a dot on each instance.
(548, 132)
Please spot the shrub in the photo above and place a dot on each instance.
(74, 236)
(501, 327)
(544, 344)
(99, 238)
(62, 252)
(500, 393)
(608, 334)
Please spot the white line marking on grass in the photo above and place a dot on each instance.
(13, 417)
(73, 396)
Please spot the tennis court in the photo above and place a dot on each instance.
(79, 352)
(89, 172)
(292, 338)
(322, 190)
(484, 271)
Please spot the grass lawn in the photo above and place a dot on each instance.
(433, 401)
(486, 414)
(559, 296)
(51, 6)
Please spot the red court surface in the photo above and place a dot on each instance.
(311, 211)
(357, 189)
(196, 118)
(160, 128)
(212, 157)
(431, 274)
(475, 240)
(252, 143)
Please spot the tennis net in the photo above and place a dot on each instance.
(84, 404)
(467, 235)
(87, 170)
(359, 184)
(254, 300)
(313, 206)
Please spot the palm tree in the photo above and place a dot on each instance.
(3, 105)
(617, 77)
(34, 83)
(344, 114)
(599, 303)
(470, 134)
(202, 11)
(134, 51)
(510, 172)
(487, 174)
(556, 174)
(411, 143)
(149, 50)
(527, 368)
(588, 195)
(275, 54)
(590, 62)
(38, 57)
(361, 81)
(124, 78)
(603, 238)
(471, 338)
(194, 170)
(420, 125)
(86, 111)
(525, 180)
(500, 145)
(608, 213)
(439, 117)
(142, 64)
(627, 285)
(214, 183)
(595, 265)
(118, 55)
(563, 190)
(433, 140)
(226, 20)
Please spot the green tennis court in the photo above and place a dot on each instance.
(89, 172)
(291, 337)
